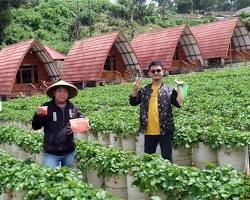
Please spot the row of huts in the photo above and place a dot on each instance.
(28, 67)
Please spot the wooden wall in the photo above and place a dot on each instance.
(120, 66)
(27, 89)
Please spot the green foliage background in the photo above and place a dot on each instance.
(57, 22)
(54, 21)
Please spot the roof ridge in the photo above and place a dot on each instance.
(18, 43)
(217, 22)
(162, 29)
(99, 36)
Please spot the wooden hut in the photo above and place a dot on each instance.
(57, 57)
(223, 41)
(175, 47)
(104, 58)
(26, 68)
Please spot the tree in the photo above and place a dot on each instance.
(164, 6)
(5, 18)
(184, 6)
(242, 4)
(229, 5)
(209, 5)
(133, 6)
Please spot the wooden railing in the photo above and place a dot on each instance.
(108, 75)
(117, 76)
(238, 54)
(241, 53)
(127, 74)
(29, 89)
(111, 75)
(184, 66)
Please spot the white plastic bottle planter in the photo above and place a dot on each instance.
(247, 159)
(94, 179)
(7, 147)
(160, 194)
(14, 150)
(182, 156)
(134, 192)
(22, 155)
(19, 124)
(236, 158)
(128, 143)
(140, 144)
(2, 147)
(6, 196)
(204, 153)
(84, 174)
(92, 137)
(39, 158)
(83, 171)
(18, 195)
(117, 186)
(81, 136)
(103, 139)
(29, 126)
(31, 156)
(115, 141)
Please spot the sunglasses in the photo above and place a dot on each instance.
(157, 70)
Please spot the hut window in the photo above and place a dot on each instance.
(107, 65)
(18, 77)
(36, 76)
(110, 63)
(176, 55)
(27, 74)
(114, 63)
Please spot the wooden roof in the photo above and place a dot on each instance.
(56, 55)
(161, 45)
(214, 38)
(11, 58)
(87, 57)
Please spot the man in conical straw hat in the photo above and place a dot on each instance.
(54, 116)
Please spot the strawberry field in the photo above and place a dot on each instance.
(216, 113)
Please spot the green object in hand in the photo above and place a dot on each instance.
(185, 90)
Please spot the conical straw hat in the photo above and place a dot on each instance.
(72, 89)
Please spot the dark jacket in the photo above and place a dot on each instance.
(58, 136)
(166, 97)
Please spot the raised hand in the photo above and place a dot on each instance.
(179, 83)
(137, 83)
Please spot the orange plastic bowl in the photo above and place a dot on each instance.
(79, 125)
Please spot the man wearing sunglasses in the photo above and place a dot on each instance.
(156, 118)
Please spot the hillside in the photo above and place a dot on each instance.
(55, 22)
(58, 22)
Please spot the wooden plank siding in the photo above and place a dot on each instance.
(29, 56)
(171, 46)
(226, 39)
